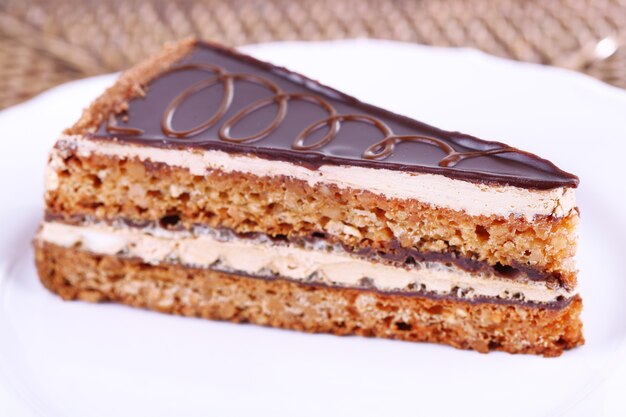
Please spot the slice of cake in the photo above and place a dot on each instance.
(208, 183)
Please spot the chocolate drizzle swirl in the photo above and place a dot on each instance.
(283, 115)
(379, 150)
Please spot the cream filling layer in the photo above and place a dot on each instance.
(156, 246)
(437, 190)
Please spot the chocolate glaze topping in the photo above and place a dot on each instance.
(216, 98)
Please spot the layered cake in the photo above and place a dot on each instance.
(208, 183)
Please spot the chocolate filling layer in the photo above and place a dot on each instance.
(560, 303)
(392, 254)
(365, 285)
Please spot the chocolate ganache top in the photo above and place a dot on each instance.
(217, 98)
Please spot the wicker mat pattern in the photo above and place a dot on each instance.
(46, 42)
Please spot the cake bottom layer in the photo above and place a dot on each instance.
(76, 274)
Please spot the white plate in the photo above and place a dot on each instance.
(75, 359)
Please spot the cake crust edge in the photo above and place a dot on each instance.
(131, 84)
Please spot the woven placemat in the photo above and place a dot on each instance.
(46, 42)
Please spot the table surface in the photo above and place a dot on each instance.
(46, 42)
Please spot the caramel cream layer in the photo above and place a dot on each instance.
(437, 190)
(208, 250)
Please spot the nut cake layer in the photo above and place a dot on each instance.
(281, 303)
(110, 187)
